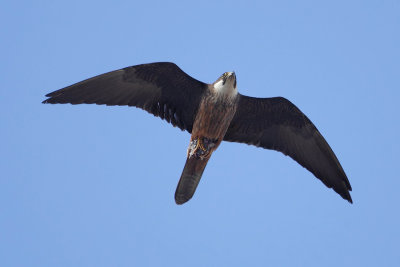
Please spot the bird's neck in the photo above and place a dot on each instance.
(226, 90)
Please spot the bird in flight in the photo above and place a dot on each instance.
(212, 113)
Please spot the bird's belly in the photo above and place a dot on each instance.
(211, 123)
(213, 119)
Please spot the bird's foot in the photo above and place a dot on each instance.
(201, 147)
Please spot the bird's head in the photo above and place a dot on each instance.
(226, 83)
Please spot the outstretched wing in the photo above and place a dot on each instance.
(275, 123)
(162, 89)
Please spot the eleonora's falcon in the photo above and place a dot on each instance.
(212, 113)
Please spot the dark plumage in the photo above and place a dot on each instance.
(212, 113)
(275, 123)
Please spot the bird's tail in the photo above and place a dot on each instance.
(190, 178)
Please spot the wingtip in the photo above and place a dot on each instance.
(50, 94)
(49, 101)
(348, 189)
(46, 101)
(52, 100)
(347, 197)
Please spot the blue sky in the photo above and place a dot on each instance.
(91, 185)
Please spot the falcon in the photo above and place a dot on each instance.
(212, 113)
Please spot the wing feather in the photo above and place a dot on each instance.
(276, 123)
(162, 89)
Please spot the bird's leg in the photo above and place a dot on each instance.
(200, 144)
(201, 147)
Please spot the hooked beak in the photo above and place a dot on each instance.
(231, 75)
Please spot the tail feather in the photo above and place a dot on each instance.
(190, 178)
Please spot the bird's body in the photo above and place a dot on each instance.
(212, 113)
(215, 113)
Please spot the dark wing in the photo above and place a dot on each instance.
(275, 123)
(162, 89)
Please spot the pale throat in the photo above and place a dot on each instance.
(227, 89)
